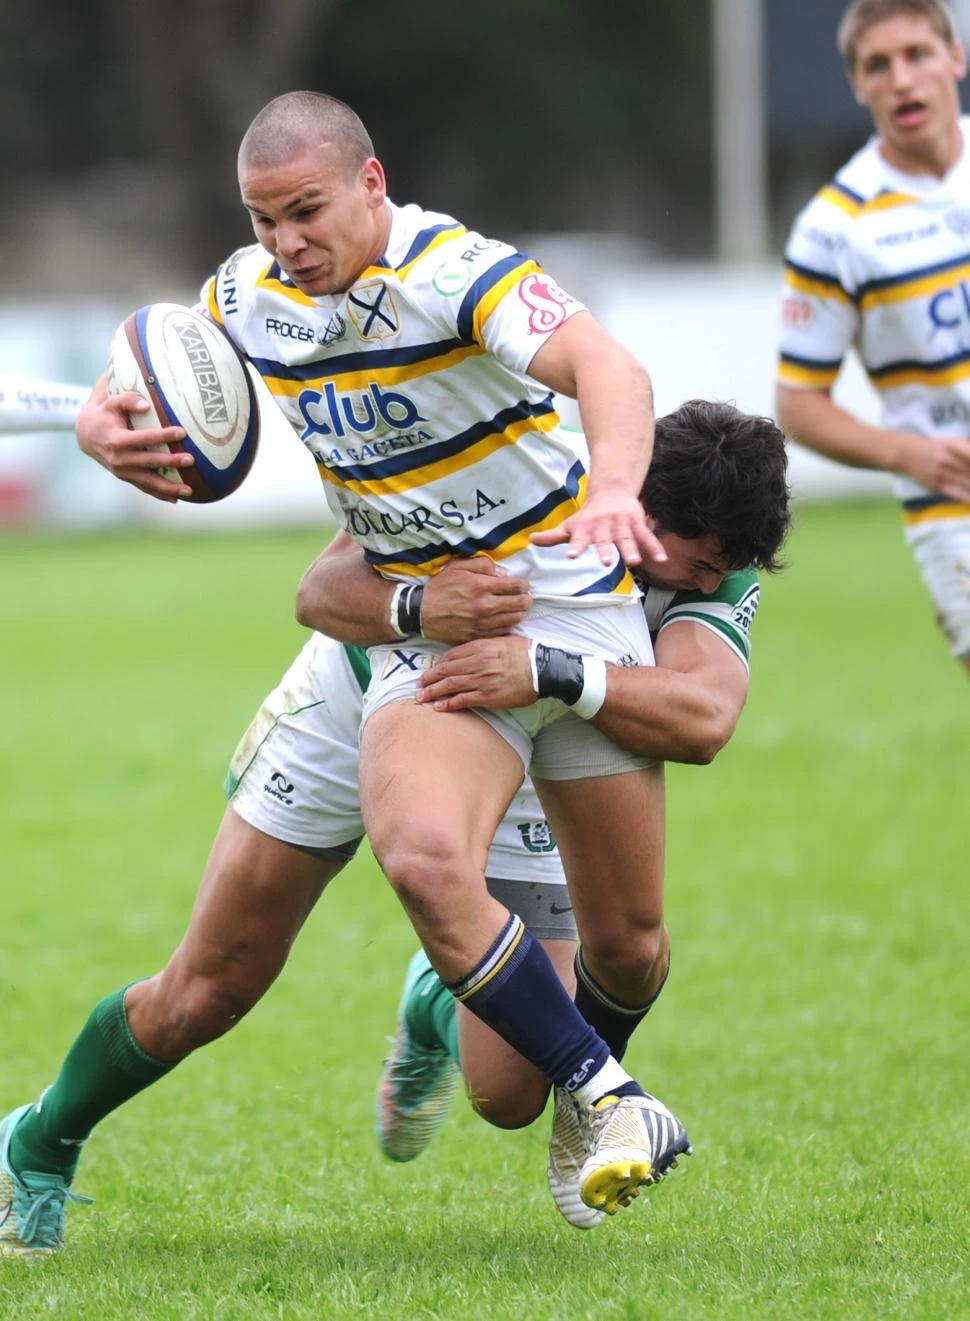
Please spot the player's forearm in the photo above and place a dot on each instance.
(615, 400)
(340, 595)
(813, 419)
(667, 715)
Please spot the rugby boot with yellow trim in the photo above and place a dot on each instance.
(634, 1141)
(569, 1145)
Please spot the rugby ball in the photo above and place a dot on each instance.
(194, 377)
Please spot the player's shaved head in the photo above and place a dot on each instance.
(864, 14)
(298, 122)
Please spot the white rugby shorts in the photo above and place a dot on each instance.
(942, 551)
(294, 774)
(553, 742)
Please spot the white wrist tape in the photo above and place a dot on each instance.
(533, 668)
(395, 602)
(594, 688)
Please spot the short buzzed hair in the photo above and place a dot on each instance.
(298, 121)
(864, 14)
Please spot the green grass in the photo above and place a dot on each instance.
(813, 1037)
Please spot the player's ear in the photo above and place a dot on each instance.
(959, 57)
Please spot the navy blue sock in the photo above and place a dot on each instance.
(515, 990)
(614, 1021)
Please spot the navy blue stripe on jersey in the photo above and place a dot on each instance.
(907, 277)
(466, 313)
(473, 545)
(919, 365)
(422, 240)
(424, 455)
(921, 502)
(812, 364)
(847, 192)
(608, 583)
(330, 367)
(819, 277)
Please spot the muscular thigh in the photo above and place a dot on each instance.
(610, 832)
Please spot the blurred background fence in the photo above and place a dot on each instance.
(651, 156)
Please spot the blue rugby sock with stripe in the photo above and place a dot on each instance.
(514, 989)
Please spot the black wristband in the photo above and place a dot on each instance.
(559, 674)
(409, 611)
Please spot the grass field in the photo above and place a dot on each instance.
(813, 1037)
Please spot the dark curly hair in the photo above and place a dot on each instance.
(716, 470)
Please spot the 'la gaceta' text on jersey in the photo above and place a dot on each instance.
(411, 392)
(881, 259)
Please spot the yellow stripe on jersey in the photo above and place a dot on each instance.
(810, 378)
(287, 290)
(840, 199)
(932, 513)
(490, 300)
(912, 374)
(804, 284)
(212, 307)
(433, 472)
(887, 201)
(359, 380)
(445, 236)
(901, 291)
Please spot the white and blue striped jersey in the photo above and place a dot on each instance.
(410, 391)
(880, 259)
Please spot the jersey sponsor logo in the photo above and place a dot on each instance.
(334, 330)
(796, 313)
(333, 412)
(959, 221)
(546, 302)
(907, 235)
(230, 294)
(289, 330)
(537, 837)
(362, 521)
(822, 238)
(950, 411)
(950, 309)
(451, 277)
(371, 309)
(742, 616)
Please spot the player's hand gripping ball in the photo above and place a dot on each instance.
(193, 377)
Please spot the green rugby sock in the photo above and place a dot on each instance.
(431, 1014)
(104, 1068)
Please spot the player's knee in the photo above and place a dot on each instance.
(516, 1107)
(422, 871)
(631, 951)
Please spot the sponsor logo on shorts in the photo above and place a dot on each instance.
(558, 909)
(278, 786)
(398, 660)
(537, 837)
